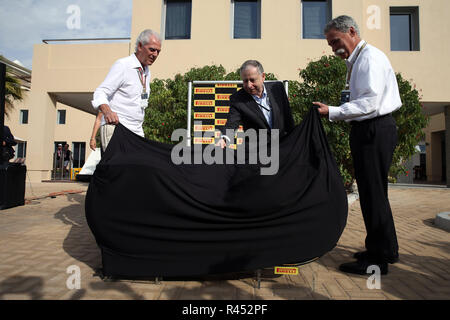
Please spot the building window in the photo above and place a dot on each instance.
(246, 19)
(404, 28)
(78, 154)
(178, 19)
(21, 150)
(315, 15)
(23, 116)
(61, 118)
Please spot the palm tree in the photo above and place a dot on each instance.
(13, 89)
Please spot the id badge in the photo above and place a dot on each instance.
(345, 96)
(144, 104)
(144, 96)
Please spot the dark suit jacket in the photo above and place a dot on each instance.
(246, 112)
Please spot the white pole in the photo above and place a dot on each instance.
(189, 108)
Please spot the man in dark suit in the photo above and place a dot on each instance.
(259, 106)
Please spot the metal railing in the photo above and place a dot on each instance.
(60, 172)
(46, 41)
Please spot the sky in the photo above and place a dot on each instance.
(24, 23)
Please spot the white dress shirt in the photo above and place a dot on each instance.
(264, 104)
(373, 87)
(121, 90)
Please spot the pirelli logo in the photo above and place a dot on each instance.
(232, 146)
(204, 90)
(222, 109)
(286, 270)
(204, 115)
(223, 96)
(226, 85)
(204, 103)
(203, 140)
(203, 127)
(221, 122)
(217, 134)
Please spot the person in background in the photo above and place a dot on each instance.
(7, 145)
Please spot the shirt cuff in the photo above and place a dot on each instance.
(334, 113)
(96, 103)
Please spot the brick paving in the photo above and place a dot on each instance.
(40, 240)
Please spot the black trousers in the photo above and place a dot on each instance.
(372, 144)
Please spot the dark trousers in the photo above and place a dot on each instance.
(372, 144)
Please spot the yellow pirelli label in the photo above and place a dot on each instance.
(217, 134)
(239, 140)
(203, 127)
(221, 122)
(204, 103)
(223, 96)
(232, 146)
(203, 140)
(222, 109)
(286, 270)
(204, 90)
(226, 85)
(204, 115)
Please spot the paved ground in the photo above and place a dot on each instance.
(40, 240)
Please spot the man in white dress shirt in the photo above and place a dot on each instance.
(123, 95)
(370, 97)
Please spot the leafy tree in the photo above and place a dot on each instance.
(13, 90)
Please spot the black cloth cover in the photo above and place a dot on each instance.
(151, 217)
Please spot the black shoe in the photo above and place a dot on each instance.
(360, 267)
(364, 255)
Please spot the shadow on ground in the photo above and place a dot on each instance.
(18, 285)
(79, 242)
(413, 277)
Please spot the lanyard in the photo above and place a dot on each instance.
(349, 72)
(143, 79)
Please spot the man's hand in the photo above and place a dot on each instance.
(110, 117)
(221, 143)
(93, 144)
(323, 108)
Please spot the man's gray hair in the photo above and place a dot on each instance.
(342, 24)
(253, 63)
(145, 36)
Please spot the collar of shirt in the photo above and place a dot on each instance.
(352, 57)
(263, 97)
(137, 64)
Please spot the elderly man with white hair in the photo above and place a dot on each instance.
(370, 98)
(123, 95)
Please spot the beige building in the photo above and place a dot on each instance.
(283, 35)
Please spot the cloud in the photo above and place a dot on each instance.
(27, 22)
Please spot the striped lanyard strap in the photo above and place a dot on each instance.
(349, 72)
